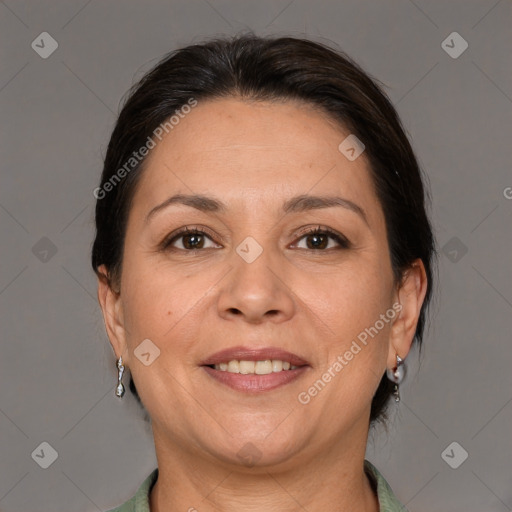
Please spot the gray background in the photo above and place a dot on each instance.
(57, 372)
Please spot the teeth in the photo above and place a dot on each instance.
(263, 367)
(233, 367)
(246, 367)
(277, 365)
(255, 367)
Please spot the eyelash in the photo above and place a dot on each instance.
(166, 245)
(324, 230)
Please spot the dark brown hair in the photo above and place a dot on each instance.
(270, 68)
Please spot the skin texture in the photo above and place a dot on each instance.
(313, 302)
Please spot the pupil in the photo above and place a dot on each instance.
(320, 239)
(192, 241)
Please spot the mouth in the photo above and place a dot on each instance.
(254, 370)
(246, 367)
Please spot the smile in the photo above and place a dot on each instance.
(251, 382)
(254, 367)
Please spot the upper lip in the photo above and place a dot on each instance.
(253, 354)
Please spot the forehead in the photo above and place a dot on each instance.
(252, 151)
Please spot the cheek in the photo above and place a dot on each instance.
(351, 303)
(162, 301)
(154, 303)
(352, 298)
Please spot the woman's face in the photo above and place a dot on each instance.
(255, 279)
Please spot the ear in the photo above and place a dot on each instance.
(410, 295)
(111, 307)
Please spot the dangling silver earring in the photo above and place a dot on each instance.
(396, 375)
(120, 371)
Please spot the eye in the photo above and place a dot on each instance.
(320, 238)
(191, 239)
(188, 239)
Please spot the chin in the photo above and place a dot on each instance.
(252, 449)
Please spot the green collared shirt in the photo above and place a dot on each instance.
(387, 499)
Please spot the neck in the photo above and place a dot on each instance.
(332, 479)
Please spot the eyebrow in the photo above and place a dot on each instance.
(306, 202)
(199, 202)
(295, 204)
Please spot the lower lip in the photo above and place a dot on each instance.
(253, 383)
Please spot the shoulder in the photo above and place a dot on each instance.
(387, 500)
(140, 501)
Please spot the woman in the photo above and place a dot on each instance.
(264, 261)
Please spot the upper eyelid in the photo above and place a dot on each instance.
(177, 234)
(332, 233)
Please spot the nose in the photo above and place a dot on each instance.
(257, 291)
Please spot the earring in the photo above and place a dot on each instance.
(397, 375)
(120, 371)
